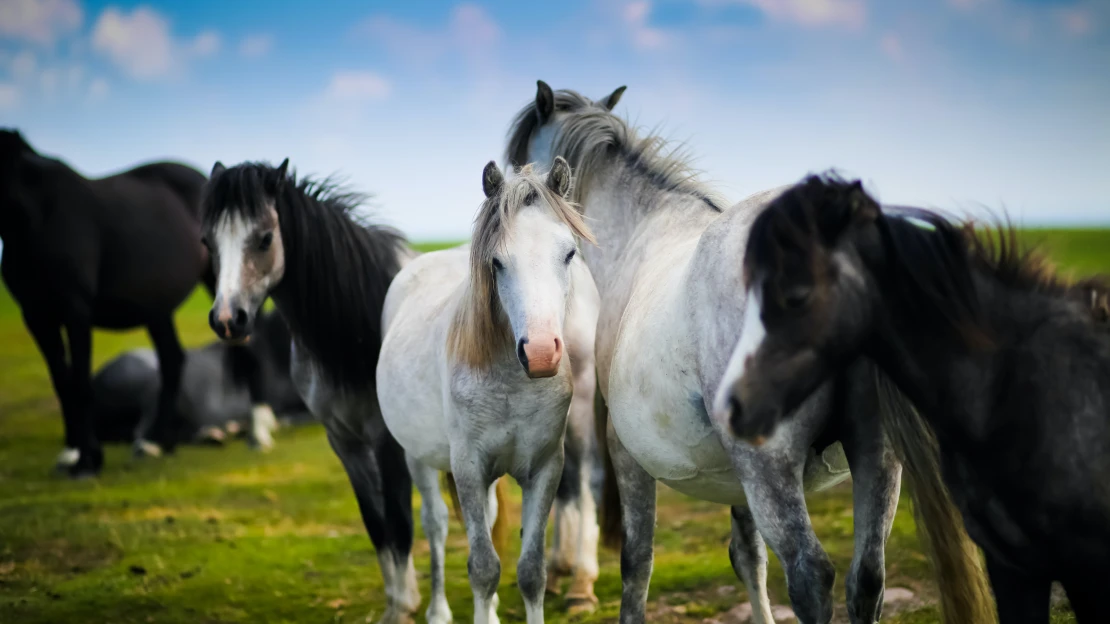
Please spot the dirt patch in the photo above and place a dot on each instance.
(56, 556)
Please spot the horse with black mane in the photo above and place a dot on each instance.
(116, 252)
(299, 242)
(1007, 364)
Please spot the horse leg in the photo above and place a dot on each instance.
(575, 535)
(538, 495)
(483, 566)
(748, 554)
(366, 470)
(1021, 598)
(433, 515)
(91, 458)
(48, 338)
(876, 482)
(171, 364)
(637, 502)
(777, 502)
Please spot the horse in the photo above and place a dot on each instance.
(472, 380)
(667, 270)
(298, 242)
(1006, 364)
(117, 252)
(214, 400)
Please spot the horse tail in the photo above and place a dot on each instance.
(965, 594)
(609, 511)
(499, 534)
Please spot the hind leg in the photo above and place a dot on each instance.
(369, 476)
(748, 554)
(575, 535)
(433, 516)
(171, 364)
(91, 458)
(637, 502)
(776, 499)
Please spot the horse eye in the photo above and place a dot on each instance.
(497, 266)
(797, 298)
(570, 256)
(266, 241)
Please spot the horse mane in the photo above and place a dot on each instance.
(479, 330)
(337, 266)
(590, 133)
(934, 257)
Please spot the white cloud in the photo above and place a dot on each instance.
(9, 96)
(256, 46)
(39, 21)
(143, 46)
(357, 87)
(810, 13)
(470, 32)
(635, 16)
(1076, 22)
(891, 46)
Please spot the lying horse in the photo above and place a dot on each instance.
(215, 398)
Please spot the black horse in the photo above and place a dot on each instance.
(117, 252)
(1007, 364)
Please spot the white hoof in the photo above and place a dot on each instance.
(438, 612)
(394, 615)
(263, 424)
(68, 457)
(146, 448)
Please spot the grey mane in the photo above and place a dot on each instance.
(590, 134)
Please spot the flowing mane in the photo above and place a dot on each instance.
(479, 330)
(589, 134)
(933, 255)
(337, 267)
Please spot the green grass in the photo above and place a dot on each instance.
(231, 535)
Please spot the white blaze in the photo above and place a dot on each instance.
(752, 334)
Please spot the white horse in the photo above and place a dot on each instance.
(472, 378)
(668, 269)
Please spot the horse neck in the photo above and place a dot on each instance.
(627, 212)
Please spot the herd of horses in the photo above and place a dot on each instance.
(611, 316)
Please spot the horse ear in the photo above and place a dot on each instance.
(558, 179)
(492, 179)
(545, 101)
(280, 176)
(217, 169)
(864, 208)
(611, 102)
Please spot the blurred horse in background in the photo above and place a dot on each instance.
(117, 252)
(215, 397)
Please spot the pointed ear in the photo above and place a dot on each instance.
(280, 176)
(611, 102)
(545, 102)
(217, 169)
(558, 179)
(864, 208)
(492, 179)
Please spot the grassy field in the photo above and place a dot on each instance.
(231, 535)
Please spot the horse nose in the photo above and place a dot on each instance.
(229, 323)
(540, 357)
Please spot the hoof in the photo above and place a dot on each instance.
(88, 465)
(67, 459)
(145, 448)
(396, 616)
(213, 436)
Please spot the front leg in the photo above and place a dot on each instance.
(1021, 598)
(473, 481)
(160, 435)
(876, 482)
(637, 499)
(539, 493)
(48, 337)
(91, 457)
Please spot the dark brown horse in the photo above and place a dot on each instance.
(117, 252)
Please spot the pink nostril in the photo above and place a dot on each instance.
(558, 346)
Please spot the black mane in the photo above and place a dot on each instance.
(337, 269)
(930, 259)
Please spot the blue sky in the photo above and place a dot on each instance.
(954, 104)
